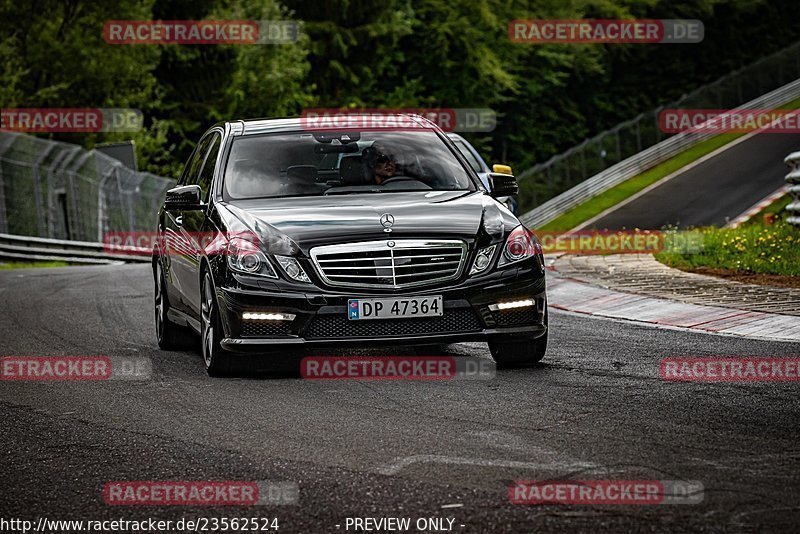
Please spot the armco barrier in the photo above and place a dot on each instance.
(793, 179)
(643, 161)
(24, 248)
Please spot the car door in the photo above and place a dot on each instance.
(196, 228)
(177, 247)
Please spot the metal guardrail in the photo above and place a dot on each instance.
(563, 171)
(643, 161)
(793, 179)
(24, 248)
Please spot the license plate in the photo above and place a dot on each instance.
(394, 308)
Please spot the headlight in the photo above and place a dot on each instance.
(245, 257)
(520, 245)
(482, 260)
(293, 269)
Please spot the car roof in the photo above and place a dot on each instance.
(256, 126)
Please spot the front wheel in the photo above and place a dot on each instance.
(170, 336)
(218, 362)
(518, 352)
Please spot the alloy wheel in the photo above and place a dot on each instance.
(160, 304)
(207, 319)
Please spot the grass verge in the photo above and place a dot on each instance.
(774, 208)
(31, 265)
(752, 253)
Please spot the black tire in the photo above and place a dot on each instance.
(218, 362)
(511, 352)
(170, 336)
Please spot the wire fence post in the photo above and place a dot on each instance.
(101, 205)
(5, 143)
(41, 218)
(638, 134)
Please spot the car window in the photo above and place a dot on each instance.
(474, 163)
(207, 174)
(192, 169)
(302, 164)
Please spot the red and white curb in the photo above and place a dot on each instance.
(570, 295)
(757, 208)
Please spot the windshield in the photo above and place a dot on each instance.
(306, 164)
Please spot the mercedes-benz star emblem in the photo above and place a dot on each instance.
(387, 220)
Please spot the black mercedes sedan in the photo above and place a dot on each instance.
(279, 237)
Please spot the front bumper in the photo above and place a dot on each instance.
(321, 316)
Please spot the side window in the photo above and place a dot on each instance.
(192, 168)
(207, 174)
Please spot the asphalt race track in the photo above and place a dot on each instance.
(713, 191)
(595, 409)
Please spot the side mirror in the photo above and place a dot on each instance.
(503, 185)
(502, 169)
(184, 197)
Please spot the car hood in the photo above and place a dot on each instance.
(290, 225)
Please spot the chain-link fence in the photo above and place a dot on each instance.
(564, 171)
(63, 191)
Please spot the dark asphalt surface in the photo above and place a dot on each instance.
(595, 409)
(712, 192)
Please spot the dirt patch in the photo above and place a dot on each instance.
(778, 280)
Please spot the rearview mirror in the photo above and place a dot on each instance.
(502, 169)
(342, 137)
(503, 185)
(184, 197)
(335, 149)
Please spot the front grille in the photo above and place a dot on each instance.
(266, 328)
(454, 320)
(390, 264)
(519, 317)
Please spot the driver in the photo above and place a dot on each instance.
(381, 163)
